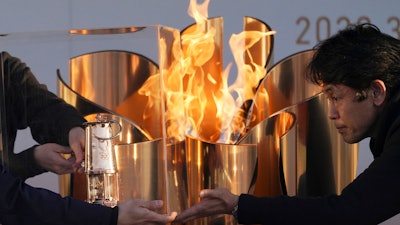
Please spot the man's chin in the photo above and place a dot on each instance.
(351, 140)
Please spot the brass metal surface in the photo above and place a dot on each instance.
(268, 135)
(213, 165)
(112, 79)
(290, 146)
(108, 83)
(142, 171)
(315, 160)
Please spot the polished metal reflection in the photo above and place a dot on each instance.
(268, 136)
(284, 86)
(136, 163)
(108, 83)
(212, 165)
(261, 51)
(112, 79)
(315, 159)
(143, 174)
(130, 133)
(121, 30)
(325, 164)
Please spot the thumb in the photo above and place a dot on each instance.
(78, 150)
(207, 193)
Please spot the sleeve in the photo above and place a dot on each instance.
(30, 104)
(22, 204)
(371, 198)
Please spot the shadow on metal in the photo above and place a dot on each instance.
(107, 82)
(312, 159)
(213, 165)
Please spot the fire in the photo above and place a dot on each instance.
(212, 109)
(198, 11)
(217, 111)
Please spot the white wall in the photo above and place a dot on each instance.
(299, 25)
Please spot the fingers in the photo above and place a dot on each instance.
(208, 206)
(63, 150)
(188, 214)
(162, 218)
(214, 201)
(136, 211)
(171, 217)
(77, 143)
(211, 193)
(51, 157)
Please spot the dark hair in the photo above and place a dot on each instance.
(356, 56)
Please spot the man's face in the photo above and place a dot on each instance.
(352, 118)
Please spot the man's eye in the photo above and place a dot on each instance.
(333, 99)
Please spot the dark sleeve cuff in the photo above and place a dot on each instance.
(114, 216)
(24, 164)
(249, 210)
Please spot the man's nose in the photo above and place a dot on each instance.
(332, 112)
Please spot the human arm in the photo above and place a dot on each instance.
(371, 198)
(22, 204)
(30, 104)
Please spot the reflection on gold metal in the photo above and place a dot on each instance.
(289, 138)
(112, 79)
(136, 163)
(261, 52)
(121, 30)
(284, 86)
(324, 162)
(211, 165)
(130, 132)
(268, 135)
(108, 82)
(313, 153)
(142, 173)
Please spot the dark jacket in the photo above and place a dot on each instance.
(373, 197)
(22, 204)
(29, 104)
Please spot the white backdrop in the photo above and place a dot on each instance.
(300, 24)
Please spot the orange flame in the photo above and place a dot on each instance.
(215, 110)
(198, 11)
(211, 110)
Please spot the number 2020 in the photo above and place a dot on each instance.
(323, 27)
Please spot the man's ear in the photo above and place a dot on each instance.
(378, 93)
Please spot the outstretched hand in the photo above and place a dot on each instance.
(214, 202)
(137, 211)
